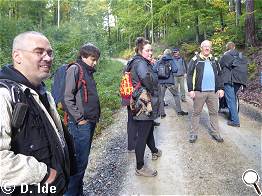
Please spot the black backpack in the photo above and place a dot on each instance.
(239, 68)
(164, 69)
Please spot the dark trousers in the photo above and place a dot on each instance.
(145, 137)
(131, 130)
(83, 136)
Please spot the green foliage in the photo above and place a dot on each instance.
(189, 49)
(126, 54)
(180, 21)
(252, 70)
(108, 78)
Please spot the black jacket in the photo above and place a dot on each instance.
(142, 71)
(37, 137)
(171, 79)
(232, 73)
(196, 70)
(73, 97)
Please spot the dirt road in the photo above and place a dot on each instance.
(203, 168)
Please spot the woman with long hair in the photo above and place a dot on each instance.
(145, 112)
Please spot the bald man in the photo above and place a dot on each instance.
(204, 86)
(35, 152)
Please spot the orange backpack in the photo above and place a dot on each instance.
(126, 87)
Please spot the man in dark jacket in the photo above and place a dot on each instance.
(234, 74)
(38, 153)
(204, 86)
(168, 82)
(84, 111)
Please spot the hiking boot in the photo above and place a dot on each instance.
(230, 123)
(156, 123)
(145, 171)
(163, 116)
(156, 154)
(192, 137)
(182, 113)
(217, 137)
(165, 104)
(183, 100)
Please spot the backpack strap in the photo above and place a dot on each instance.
(81, 81)
(14, 89)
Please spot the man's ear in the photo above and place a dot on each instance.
(16, 57)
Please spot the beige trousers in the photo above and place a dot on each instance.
(211, 100)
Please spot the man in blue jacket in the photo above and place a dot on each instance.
(168, 81)
(181, 73)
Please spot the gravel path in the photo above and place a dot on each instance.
(108, 160)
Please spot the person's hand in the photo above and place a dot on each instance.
(192, 94)
(51, 176)
(153, 61)
(185, 75)
(220, 93)
(82, 122)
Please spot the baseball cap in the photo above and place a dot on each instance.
(175, 49)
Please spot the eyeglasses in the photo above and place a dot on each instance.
(41, 52)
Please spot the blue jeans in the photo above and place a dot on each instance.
(83, 135)
(231, 98)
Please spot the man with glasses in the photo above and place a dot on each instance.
(32, 149)
(205, 86)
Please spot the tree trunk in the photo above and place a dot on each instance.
(55, 14)
(197, 28)
(238, 11)
(205, 33)
(129, 42)
(147, 33)
(231, 5)
(250, 24)
(222, 20)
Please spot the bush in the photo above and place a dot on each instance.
(252, 70)
(108, 77)
(127, 54)
(189, 49)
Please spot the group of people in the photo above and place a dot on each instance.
(37, 149)
(207, 81)
(39, 155)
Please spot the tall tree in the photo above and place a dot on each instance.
(231, 5)
(238, 11)
(250, 33)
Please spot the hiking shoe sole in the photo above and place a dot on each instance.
(146, 172)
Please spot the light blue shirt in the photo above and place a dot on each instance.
(208, 81)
